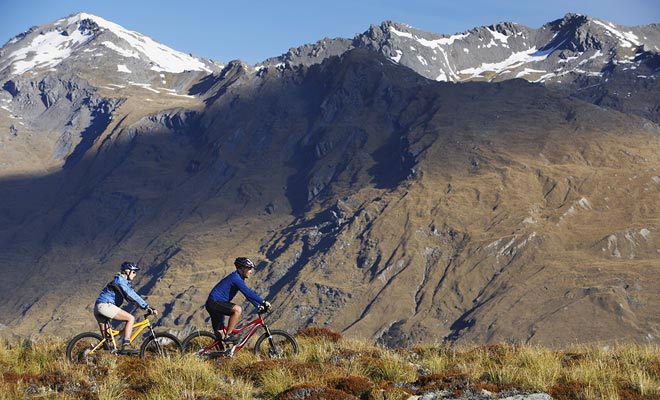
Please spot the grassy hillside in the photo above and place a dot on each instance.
(332, 367)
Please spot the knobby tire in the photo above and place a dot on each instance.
(282, 345)
(163, 345)
(196, 342)
(78, 348)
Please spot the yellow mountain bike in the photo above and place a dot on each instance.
(87, 346)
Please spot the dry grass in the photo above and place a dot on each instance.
(330, 366)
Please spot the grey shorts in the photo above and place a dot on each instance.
(103, 312)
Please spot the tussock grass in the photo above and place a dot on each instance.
(330, 366)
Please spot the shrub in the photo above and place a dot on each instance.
(320, 333)
(388, 392)
(311, 392)
(355, 385)
(452, 381)
(568, 390)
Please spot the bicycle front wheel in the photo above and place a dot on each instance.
(161, 345)
(201, 343)
(280, 344)
(85, 348)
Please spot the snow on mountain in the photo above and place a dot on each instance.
(45, 51)
(576, 45)
(54, 43)
(164, 58)
(505, 51)
(626, 39)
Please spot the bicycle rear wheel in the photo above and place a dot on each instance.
(161, 345)
(84, 348)
(280, 344)
(199, 343)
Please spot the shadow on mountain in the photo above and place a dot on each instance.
(100, 120)
(142, 181)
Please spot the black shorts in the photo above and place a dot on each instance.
(217, 310)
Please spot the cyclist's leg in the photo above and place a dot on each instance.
(130, 320)
(217, 320)
(103, 327)
(218, 310)
(103, 313)
(234, 317)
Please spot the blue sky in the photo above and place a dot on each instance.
(255, 30)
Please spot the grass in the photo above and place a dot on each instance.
(332, 367)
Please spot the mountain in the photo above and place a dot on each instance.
(376, 199)
(91, 46)
(577, 54)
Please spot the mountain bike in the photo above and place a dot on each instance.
(88, 346)
(272, 343)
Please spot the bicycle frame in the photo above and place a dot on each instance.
(138, 327)
(252, 326)
(153, 344)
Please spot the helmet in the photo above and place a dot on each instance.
(243, 262)
(127, 265)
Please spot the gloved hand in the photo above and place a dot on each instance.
(151, 311)
(265, 307)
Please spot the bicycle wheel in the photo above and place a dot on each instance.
(82, 349)
(280, 344)
(196, 342)
(161, 345)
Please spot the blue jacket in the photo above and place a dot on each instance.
(118, 289)
(226, 289)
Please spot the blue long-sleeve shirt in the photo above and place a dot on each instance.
(118, 289)
(226, 289)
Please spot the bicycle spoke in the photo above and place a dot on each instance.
(85, 348)
(199, 343)
(279, 344)
(162, 345)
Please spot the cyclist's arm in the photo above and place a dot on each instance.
(249, 294)
(130, 294)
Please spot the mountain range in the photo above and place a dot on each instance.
(499, 184)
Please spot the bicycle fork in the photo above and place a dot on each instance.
(269, 336)
(156, 343)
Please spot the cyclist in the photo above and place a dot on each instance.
(112, 296)
(219, 302)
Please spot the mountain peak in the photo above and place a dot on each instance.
(94, 40)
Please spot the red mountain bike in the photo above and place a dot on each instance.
(271, 344)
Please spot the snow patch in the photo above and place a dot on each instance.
(121, 51)
(528, 71)
(628, 39)
(584, 203)
(46, 51)
(397, 58)
(143, 86)
(164, 58)
(499, 36)
(429, 43)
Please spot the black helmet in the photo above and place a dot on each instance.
(243, 262)
(127, 265)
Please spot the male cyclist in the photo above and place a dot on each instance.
(112, 296)
(219, 302)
